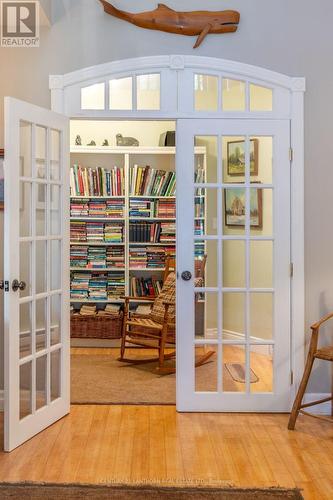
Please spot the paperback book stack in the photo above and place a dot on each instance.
(79, 286)
(88, 310)
(138, 257)
(116, 285)
(161, 208)
(79, 256)
(114, 208)
(165, 209)
(95, 232)
(96, 257)
(110, 310)
(78, 231)
(156, 257)
(168, 232)
(147, 181)
(96, 181)
(140, 208)
(115, 257)
(145, 287)
(79, 209)
(97, 208)
(98, 286)
(113, 232)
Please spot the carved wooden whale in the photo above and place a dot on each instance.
(200, 23)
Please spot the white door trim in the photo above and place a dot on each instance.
(65, 90)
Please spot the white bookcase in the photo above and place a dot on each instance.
(157, 157)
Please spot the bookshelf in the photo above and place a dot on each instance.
(136, 213)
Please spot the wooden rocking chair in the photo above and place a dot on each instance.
(158, 330)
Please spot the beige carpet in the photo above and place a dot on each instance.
(41, 491)
(102, 379)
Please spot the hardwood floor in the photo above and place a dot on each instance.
(154, 443)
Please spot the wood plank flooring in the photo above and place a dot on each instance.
(154, 443)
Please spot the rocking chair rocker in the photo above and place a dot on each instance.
(158, 330)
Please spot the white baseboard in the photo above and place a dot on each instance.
(322, 409)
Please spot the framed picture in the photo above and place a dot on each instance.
(2, 180)
(236, 157)
(234, 207)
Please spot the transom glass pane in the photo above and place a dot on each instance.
(233, 95)
(206, 92)
(261, 98)
(120, 93)
(93, 97)
(148, 88)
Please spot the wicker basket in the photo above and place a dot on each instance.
(96, 327)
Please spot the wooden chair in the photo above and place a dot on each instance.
(158, 330)
(326, 354)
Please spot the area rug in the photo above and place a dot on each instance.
(41, 491)
(102, 379)
(238, 373)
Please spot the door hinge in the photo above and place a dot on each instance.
(4, 285)
(291, 154)
(291, 269)
(291, 378)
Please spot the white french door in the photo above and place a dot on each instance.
(36, 287)
(233, 231)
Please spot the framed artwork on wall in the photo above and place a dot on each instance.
(234, 207)
(2, 180)
(236, 157)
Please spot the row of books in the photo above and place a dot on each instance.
(153, 208)
(146, 287)
(151, 182)
(97, 286)
(96, 232)
(97, 208)
(152, 232)
(85, 257)
(99, 181)
(149, 257)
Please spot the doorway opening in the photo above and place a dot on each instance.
(122, 238)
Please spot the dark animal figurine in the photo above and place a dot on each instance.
(195, 23)
(91, 143)
(78, 141)
(126, 141)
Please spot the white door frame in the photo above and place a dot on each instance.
(177, 101)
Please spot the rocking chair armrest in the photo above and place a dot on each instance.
(317, 325)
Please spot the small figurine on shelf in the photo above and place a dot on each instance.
(105, 142)
(78, 141)
(126, 141)
(91, 143)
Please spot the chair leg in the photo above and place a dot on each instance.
(299, 397)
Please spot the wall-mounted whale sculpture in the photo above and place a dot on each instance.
(200, 23)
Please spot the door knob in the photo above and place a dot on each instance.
(186, 275)
(16, 285)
